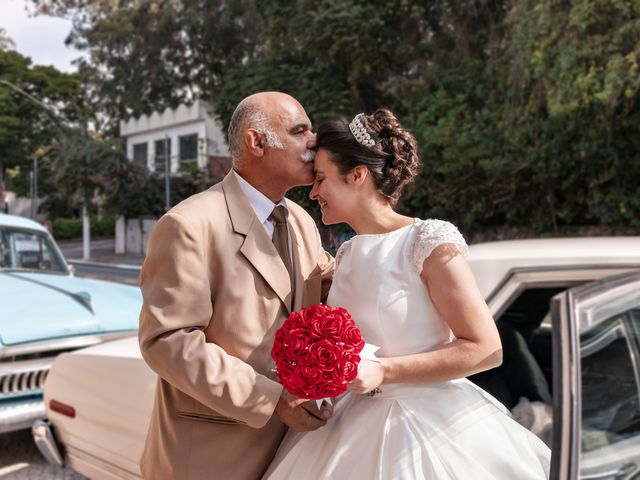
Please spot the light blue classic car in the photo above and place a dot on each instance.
(45, 310)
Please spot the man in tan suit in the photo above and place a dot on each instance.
(216, 289)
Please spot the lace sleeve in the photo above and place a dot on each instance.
(343, 248)
(431, 234)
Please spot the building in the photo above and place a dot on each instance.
(183, 139)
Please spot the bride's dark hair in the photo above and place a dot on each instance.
(392, 161)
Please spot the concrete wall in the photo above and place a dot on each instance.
(132, 234)
(22, 206)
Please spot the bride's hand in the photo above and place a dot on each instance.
(370, 376)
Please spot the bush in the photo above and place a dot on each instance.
(66, 228)
(71, 228)
(104, 226)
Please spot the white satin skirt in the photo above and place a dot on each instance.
(449, 430)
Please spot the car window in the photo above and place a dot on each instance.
(26, 250)
(611, 381)
(604, 379)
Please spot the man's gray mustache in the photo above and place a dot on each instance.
(308, 156)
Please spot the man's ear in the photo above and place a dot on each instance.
(254, 142)
(357, 175)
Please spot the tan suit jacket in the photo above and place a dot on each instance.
(215, 291)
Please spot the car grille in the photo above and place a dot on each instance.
(25, 382)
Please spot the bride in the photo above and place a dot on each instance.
(406, 282)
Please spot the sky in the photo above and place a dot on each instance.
(41, 38)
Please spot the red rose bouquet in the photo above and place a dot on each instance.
(317, 352)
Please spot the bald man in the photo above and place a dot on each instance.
(221, 275)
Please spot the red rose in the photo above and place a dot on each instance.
(324, 354)
(297, 340)
(353, 338)
(347, 368)
(304, 381)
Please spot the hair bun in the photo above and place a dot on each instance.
(404, 162)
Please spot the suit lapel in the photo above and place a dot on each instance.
(257, 247)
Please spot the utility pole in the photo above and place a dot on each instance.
(86, 240)
(167, 175)
(34, 188)
(34, 173)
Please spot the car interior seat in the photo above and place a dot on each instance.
(519, 375)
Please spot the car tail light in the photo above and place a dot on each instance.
(62, 408)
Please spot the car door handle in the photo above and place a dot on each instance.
(620, 473)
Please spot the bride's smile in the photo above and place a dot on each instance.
(330, 189)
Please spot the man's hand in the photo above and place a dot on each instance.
(301, 415)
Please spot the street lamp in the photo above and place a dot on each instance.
(167, 174)
(86, 231)
(32, 98)
(34, 174)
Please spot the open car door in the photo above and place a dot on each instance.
(596, 380)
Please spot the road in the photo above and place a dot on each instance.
(104, 264)
(107, 272)
(21, 460)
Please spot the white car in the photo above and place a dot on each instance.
(568, 311)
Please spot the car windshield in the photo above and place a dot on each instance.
(29, 250)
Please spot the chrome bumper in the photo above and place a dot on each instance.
(20, 416)
(46, 442)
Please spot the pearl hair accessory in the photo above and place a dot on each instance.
(359, 131)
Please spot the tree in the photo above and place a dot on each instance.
(148, 55)
(6, 42)
(135, 192)
(79, 167)
(526, 112)
(575, 87)
(26, 126)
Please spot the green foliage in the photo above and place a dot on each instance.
(67, 228)
(136, 192)
(544, 135)
(71, 228)
(526, 113)
(26, 126)
(77, 169)
(150, 55)
(5, 41)
(104, 226)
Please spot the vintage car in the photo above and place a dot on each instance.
(45, 310)
(568, 311)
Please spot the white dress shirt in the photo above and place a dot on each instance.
(261, 205)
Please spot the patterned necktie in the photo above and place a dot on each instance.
(281, 239)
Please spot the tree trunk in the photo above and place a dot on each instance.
(86, 231)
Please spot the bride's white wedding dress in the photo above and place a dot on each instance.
(446, 430)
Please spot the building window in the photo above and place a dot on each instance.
(141, 153)
(162, 146)
(188, 152)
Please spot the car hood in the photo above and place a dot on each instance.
(37, 306)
